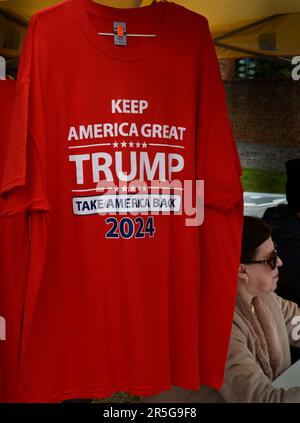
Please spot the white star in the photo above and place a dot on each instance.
(144, 145)
(132, 188)
(144, 188)
(138, 144)
(124, 144)
(131, 144)
(116, 144)
(116, 189)
(124, 188)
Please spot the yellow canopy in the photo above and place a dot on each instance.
(241, 28)
(25, 8)
(276, 36)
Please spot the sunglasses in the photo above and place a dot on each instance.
(272, 261)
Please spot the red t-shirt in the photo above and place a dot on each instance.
(132, 302)
(14, 248)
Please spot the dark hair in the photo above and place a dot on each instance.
(255, 232)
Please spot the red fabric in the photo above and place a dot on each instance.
(14, 247)
(108, 312)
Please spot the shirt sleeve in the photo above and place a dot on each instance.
(221, 232)
(23, 185)
(218, 161)
(221, 235)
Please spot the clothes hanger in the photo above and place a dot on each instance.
(120, 30)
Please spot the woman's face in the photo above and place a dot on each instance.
(261, 277)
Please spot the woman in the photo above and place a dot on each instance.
(264, 327)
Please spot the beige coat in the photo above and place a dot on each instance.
(244, 380)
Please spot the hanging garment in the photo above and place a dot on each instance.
(14, 249)
(120, 301)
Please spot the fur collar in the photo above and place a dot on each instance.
(263, 329)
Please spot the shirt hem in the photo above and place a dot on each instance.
(107, 393)
(213, 384)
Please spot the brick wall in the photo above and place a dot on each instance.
(265, 111)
